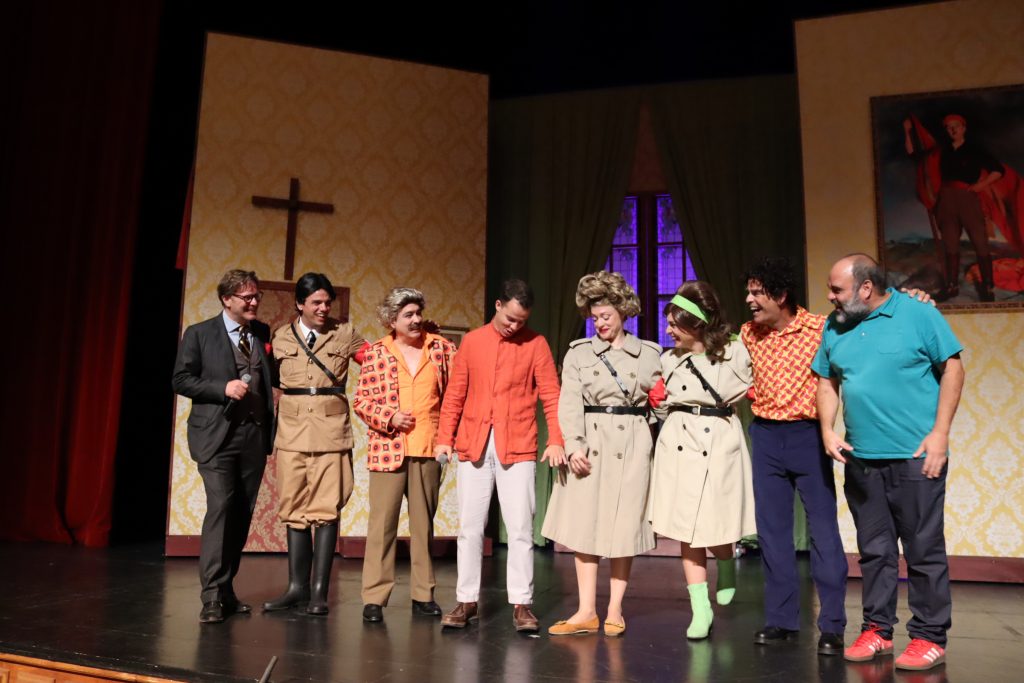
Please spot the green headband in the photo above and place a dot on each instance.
(688, 306)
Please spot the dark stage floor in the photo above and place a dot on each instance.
(131, 609)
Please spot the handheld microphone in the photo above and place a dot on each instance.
(230, 407)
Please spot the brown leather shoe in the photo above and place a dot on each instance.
(463, 613)
(523, 619)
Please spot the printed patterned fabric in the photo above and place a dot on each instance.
(784, 386)
(377, 400)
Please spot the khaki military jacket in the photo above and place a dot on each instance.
(603, 513)
(586, 380)
(314, 424)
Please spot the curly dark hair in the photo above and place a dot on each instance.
(778, 277)
(716, 333)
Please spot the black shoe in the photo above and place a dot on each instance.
(373, 613)
(426, 609)
(212, 612)
(831, 644)
(773, 635)
(233, 606)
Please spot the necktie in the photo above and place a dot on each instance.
(311, 340)
(243, 341)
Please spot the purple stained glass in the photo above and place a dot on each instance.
(671, 269)
(624, 260)
(625, 233)
(668, 226)
(691, 273)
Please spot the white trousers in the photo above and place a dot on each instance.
(517, 500)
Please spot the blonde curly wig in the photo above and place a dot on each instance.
(606, 289)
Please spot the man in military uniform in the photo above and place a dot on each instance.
(314, 439)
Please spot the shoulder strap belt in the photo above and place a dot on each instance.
(615, 376)
(312, 356)
(704, 383)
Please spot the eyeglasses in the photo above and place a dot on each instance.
(249, 298)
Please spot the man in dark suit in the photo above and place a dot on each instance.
(223, 367)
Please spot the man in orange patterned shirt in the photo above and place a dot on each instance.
(788, 454)
(402, 383)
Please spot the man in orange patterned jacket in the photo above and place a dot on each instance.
(401, 386)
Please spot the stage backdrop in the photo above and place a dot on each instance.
(399, 149)
(842, 62)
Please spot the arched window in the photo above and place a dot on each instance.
(649, 249)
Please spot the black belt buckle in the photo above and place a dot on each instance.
(726, 411)
(314, 391)
(616, 410)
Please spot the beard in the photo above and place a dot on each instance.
(853, 312)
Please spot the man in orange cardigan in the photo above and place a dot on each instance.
(489, 415)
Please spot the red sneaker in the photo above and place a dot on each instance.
(867, 646)
(920, 655)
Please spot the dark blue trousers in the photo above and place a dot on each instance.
(789, 456)
(890, 500)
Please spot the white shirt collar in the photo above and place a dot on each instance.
(229, 324)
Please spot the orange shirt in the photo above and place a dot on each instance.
(495, 383)
(418, 395)
(784, 386)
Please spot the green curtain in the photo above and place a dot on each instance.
(730, 151)
(559, 168)
(731, 154)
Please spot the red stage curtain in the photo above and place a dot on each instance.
(74, 123)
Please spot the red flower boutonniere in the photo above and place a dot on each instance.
(268, 348)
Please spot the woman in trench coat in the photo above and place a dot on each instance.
(598, 505)
(702, 491)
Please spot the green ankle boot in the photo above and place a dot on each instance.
(726, 581)
(700, 604)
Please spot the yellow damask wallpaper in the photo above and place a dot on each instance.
(400, 149)
(841, 63)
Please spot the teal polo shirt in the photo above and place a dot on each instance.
(888, 368)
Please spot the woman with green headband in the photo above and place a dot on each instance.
(599, 502)
(701, 487)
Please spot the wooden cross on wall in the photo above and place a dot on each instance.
(293, 206)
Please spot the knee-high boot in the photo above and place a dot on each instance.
(300, 561)
(325, 539)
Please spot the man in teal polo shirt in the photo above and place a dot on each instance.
(901, 376)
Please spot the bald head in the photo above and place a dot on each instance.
(864, 269)
(856, 286)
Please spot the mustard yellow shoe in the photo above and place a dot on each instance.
(574, 628)
(614, 630)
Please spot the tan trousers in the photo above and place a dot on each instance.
(419, 480)
(312, 487)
